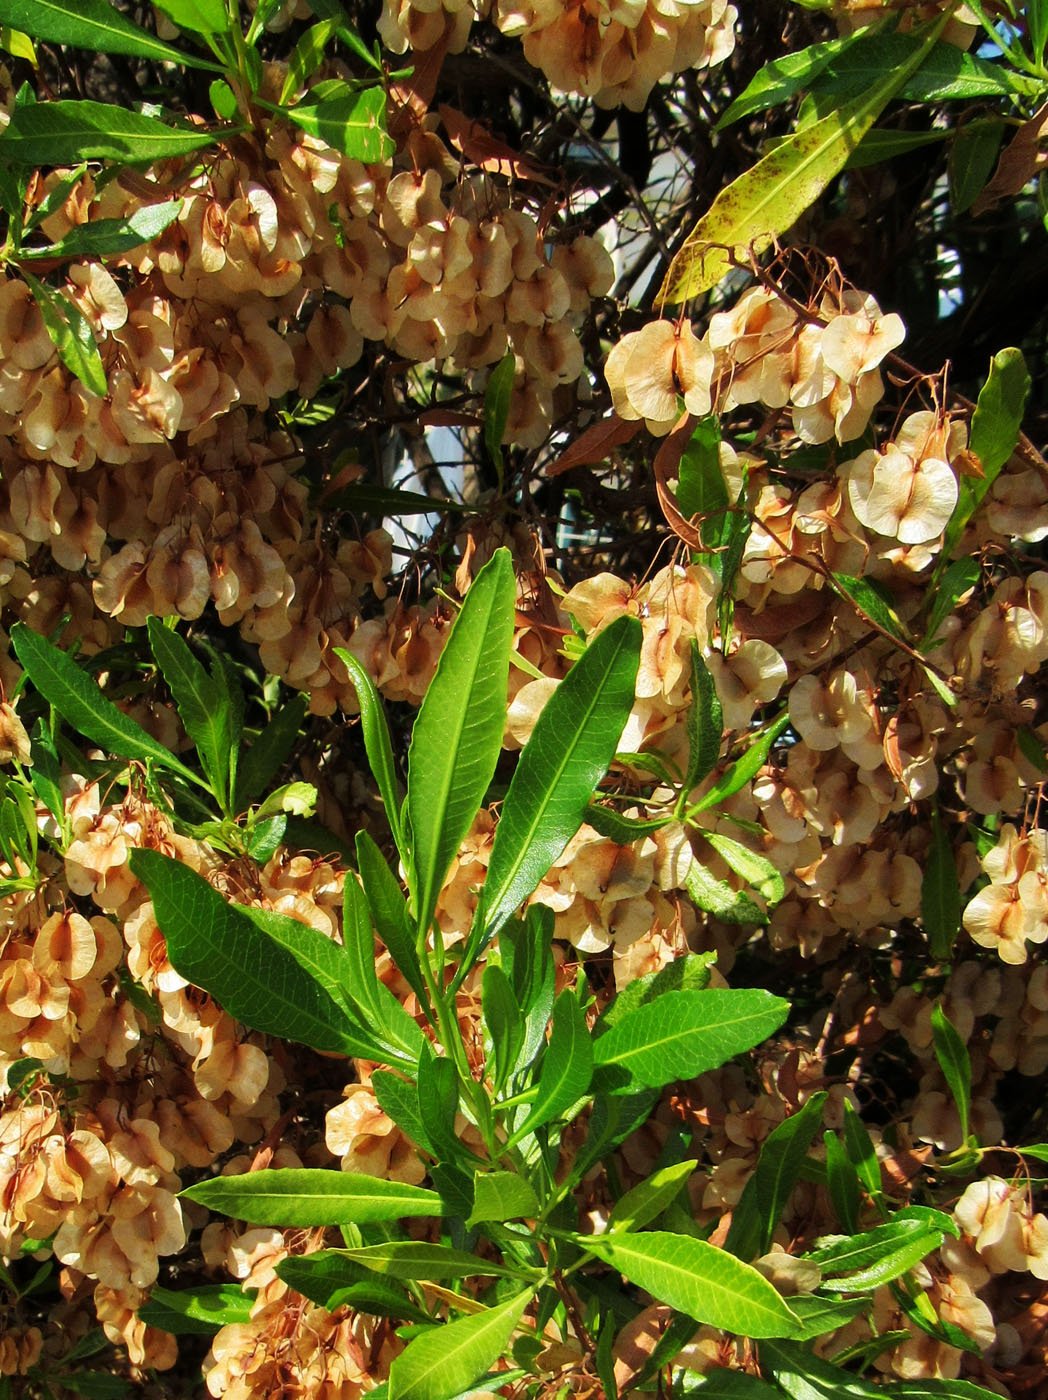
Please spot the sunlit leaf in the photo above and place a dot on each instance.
(302, 1198)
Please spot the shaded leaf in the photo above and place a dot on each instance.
(972, 155)
(327, 1277)
(261, 762)
(416, 1260)
(377, 743)
(498, 394)
(778, 1170)
(649, 1198)
(390, 912)
(567, 1066)
(955, 1063)
(705, 722)
(204, 707)
(202, 1310)
(940, 894)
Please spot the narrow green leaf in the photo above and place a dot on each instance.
(691, 973)
(62, 133)
(861, 1152)
(755, 869)
(570, 750)
(744, 768)
(842, 1182)
(696, 1278)
(955, 1063)
(647, 1200)
(947, 73)
(445, 1361)
(416, 1260)
(683, 1034)
(375, 1004)
(398, 1099)
(46, 772)
(306, 57)
(498, 394)
(327, 1277)
(622, 830)
(266, 836)
(201, 16)
(805, 1376)
(931, 1388)
(996, 424)
(390, 912)
(499, 1196)
(364, 498)
(203, 704)
(332, 9)
(303, 1198)
(526, 950)
(973, 155)
(81, 704)
(863, 1262)
(354, 124)
(768, 198)
(767, 1192)
(457, 736)
(567, 1066)
(1037, 28)
(940, 894)
(105, 237)
(705, 722)
(822, 1315)
(438, 1103)
(872, 599)
(504, 1022)
(202, 1310)
(701, 488)
(71, 334)
(883, 143)
(717, 897)
(377, 743)
(783, 78)
(94, 25)
(259, 765)
(957, 579)
(222, 949)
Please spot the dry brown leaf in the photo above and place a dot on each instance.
(487, 152)
(667, 463)
(1020, 161)
(595, 444)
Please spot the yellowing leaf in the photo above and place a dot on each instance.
(772, 195)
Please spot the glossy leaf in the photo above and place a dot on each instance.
(955, 1063)
(863, 1262)
(755, 869)
(570, 750)
(106, 237)
(861, 1152)
(932, 1388)
(842, 1182)
(717, 897)
(354, 124)
(690, 973)
(744, 768)
(307, 56)
(566, 1069)
(946, 74)
(696, 1278)
(995, 428)
(327, 1277)
(778, 1170)
(457, 736)
(504, 1023)
(622, 830)
(201, 16)
(872, 600)
(940, 894)
(416, 1260)
(683, 1034)
(438, 1102)
(302, 1198)
(1037, 27)
(375, 1004)
(262, 761)
(203, 705)
(196, 1310)
(46, 772)
(822, 1315)
(389, 910)
(526, 949)
(957, 579)
(649, 1198)
(783, 78)
(93, 25)
(445, 1361)
(701, 488)
(261, 982)
(64, 132)
(81, 703)
(398, 1099)
(805, 1376)
(499, 1196)
(768, 198)
(377, 743)
(705, 722)
(71, 334)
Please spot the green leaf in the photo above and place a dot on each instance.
(438, 1104)
(996, 424)
(328, 1278)
(755, 869)
(259, 765)
(416, 1260)
(364, 498)
(804, 1376)
(62, 133)
(683, 1034)
(622, 830)
(447, 1360)
(96, 1385)
(744, 768)
(377, 743)
(872, 599)
(499, 1196)
(778, 1170)
(783, 78)
(570, 750)
(822, 1315)
(105, 237)
(504, 1022)
(94, 25)
(200, 16)
(696, 1278)
(526, 950)
(306, 57)
(203, 704)
(567, 1066)
(222, 949)
(1037, 28)
(946, 73)
(717, 897)
(266, 836)
(863, 1262)
(842, 1182)
(730, 1385)
(691, 973)
(705, 722)
(931, 1388)
(701, 488)
(71, 334)
(375, 1003)
(768, 198)
(498, 394)
(332, 9)
(302, 1198)
(354, 124)
(883, 143)
(202, 1310)
(955, 1063)
(81, 703)
(649, 1198)
(390, 912)
(972, 159)
(457, 735)
(398, 1099)
(940, 894)
(861, 1152)
(958, 579)
(46, 772)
